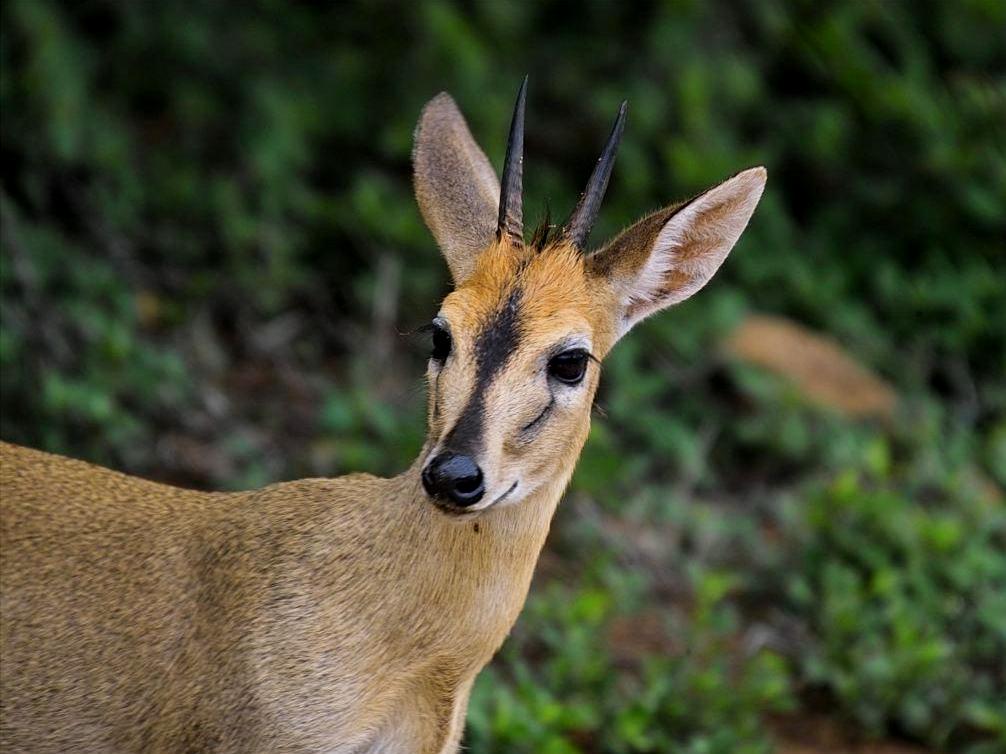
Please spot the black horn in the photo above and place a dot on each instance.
(581, 219)
(511, 216)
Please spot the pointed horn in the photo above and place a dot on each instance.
(581, 219)
(511, 213)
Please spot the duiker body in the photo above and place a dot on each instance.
(348, 614)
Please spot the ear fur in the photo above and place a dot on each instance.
(456, 187)
(669, 255)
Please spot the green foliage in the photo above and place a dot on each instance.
(96, 327)
(906, 608)
(210, 249)
(577, 698)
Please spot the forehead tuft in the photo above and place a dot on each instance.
(555, 283)
(550, 284)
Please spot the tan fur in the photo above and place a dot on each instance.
(335, 615)
(317, 615)
(456, 188)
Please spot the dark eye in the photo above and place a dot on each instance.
(569, 366)
(441, 343)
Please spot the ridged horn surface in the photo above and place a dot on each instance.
(581, 219)
(511, 211)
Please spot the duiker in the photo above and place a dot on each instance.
(349, 614)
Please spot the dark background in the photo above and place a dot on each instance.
(212, 259)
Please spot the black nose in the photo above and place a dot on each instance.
(453, 477)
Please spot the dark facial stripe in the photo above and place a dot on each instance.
(499, 338)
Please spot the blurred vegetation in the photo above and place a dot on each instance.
(210, 249)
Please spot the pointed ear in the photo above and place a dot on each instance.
(669, 255)
(456, 187)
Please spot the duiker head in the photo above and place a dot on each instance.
(518, 343)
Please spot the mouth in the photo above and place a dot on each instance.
(505, 494)
(460, 512)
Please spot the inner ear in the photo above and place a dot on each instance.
(670, 255)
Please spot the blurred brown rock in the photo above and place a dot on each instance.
(822, 371)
